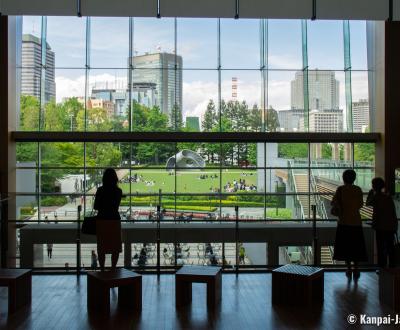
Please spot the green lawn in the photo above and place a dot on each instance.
(187, 181)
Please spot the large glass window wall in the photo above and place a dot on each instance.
(191, 75)
(117, 74)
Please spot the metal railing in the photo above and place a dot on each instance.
(292, 184)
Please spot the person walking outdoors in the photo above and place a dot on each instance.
(108, 223)
(49, 250)
(349, 241)
(384, 221)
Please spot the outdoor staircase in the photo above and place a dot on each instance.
(301, 181)
(326, 256)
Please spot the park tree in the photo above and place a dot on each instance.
(176, 120)
(55, 118)
(210, 119)
(210, 123)
(71, 108)
(255, 119)
(271, 120)
(29, 113)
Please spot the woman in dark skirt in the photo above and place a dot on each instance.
(108, 223)
(349, 242)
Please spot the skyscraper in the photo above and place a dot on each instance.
(360, 115)
(323, 90)
(324, 121)
(165, 71)
(31, 71)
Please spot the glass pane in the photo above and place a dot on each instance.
(105, 155)
(331, 155)
(109, 44)
(144, 255)
(286, 101)
(150, 181)
(200, 100)
(68, 113)
(325, 53)
(284, 44)
(26, 154)
(153, 36)
(358, 45)
(54, 255)
(241, 93)
(108, 101)
(26, 208)
(157, 96)
(244, 54)
(62, 154)
(32, 25)
(152, 154)
(360, 105)
(66, 36)
(26, 179)
(197, 42)
(326, 101)
(301, 255)
(364, 154)
(287, 155)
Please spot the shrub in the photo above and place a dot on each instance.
(54, 201)
(27, 210)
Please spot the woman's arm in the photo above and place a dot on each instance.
(96, 203)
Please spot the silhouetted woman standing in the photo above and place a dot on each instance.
(108, 224)
(349, 241)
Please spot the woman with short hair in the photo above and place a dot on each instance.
(349, 241)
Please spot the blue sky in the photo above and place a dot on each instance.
(197, 44)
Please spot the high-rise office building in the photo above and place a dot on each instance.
(324, 121)
(360, 115)
(165, 71)
(143, 93)
(31, 71)
(323, 90)
(289, 119)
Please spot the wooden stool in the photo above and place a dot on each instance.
(184, 278)
(389, 287)
(297, 285)
(129, 290)
(19, 283)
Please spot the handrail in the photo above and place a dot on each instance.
(318, 202)
(293, 182)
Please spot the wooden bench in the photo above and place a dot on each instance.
(298, 285)
(389, 287)
(187, 275)
(129, 290)
(19, 283)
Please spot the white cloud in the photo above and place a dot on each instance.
(68, 87)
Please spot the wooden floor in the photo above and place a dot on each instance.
(59, 302)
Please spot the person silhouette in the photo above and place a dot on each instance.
(108, 223)
(349, 240)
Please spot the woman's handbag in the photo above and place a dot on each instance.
(89, 225)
